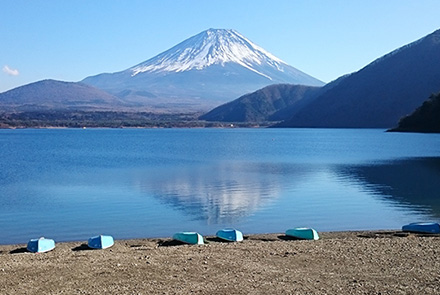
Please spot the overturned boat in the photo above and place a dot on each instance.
(192, 238)
(422, 227)
(303, 233)
(230, 234)
(40, 245)
(100, 242)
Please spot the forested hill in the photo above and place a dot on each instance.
(272, 103)
(381, 93)
(425, 118)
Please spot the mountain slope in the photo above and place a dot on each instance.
(262, 105)
(52, 95)
(203, 71)
(273, 103)
(425, 118)
(378, 95)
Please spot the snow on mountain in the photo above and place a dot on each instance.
(202, 72)
(214, 46)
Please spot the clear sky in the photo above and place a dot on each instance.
(70, 40)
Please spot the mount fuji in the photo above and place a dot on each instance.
(204, 71)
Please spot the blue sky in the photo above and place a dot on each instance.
(70, 40)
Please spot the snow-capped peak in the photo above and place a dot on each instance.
(211, 47)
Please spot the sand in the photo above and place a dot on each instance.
(386, 262)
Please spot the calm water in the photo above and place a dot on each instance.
(72, 184)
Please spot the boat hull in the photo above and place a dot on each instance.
(40, 245)
(303, 233)
(230, 234)
(100, 242)
(192, 238)
(422, 227)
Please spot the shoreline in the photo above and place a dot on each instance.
(212, 238)
(355, 262)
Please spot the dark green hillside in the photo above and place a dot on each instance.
(262, 105)
(426, 118)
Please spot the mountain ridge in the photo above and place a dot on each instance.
(53, 94)
(266, 104)
(379, 94)
(277, 102)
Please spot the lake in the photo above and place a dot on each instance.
(70, 184)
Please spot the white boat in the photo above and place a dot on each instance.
(100, 242)
(40, 245)
(230, 234)
(192, 238)
(304, 233)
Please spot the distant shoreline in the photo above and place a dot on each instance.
(113, 119)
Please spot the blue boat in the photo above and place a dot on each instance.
(422, 227)
(230, 234)
(303, 233)
(40, 245)
(192, 238)
(100, 242)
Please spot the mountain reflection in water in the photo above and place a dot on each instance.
(226, 192)
(71, 184)
(221, 193)
(413, 183)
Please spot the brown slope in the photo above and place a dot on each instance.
(52, 95)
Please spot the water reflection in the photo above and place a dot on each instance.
(221, 193)
(227, 192)
(413, 183)
(143, 183)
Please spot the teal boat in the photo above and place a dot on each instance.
(422, 227)
(100, 242)
(192, 238)
(230, 234)
(304, 233)
(40, 245)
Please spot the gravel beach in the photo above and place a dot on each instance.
(383, 262)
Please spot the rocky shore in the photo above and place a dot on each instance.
(384, 262)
